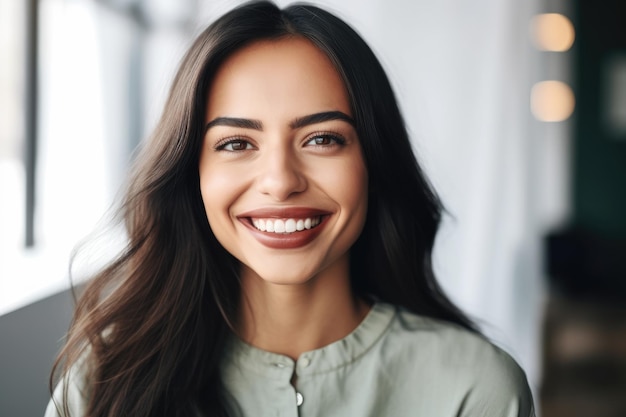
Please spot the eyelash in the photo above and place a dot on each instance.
(222, 144)
(335, 138)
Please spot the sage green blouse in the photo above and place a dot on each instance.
(394, 363)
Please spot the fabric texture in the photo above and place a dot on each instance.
(394, 363)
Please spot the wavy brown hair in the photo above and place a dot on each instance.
(151, 326)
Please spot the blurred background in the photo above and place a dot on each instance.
(517, 110)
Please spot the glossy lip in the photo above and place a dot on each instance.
(284, 240)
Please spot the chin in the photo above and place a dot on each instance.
(280, 274)
(282, 278)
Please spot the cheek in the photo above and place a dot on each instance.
(359, 198)
(354, 185)
(347, 184)
(215, 188)
(218, 192)
(358, 186)
(359, 182)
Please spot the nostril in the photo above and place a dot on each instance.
(281, 182)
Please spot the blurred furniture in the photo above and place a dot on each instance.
(584, 369)
(30, 339)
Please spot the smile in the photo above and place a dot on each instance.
(286, 225)
(285, 228)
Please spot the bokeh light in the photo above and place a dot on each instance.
(552, 101)
(552, 32)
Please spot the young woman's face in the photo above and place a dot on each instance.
(282, 175)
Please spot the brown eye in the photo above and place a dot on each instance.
(234, 145)
(325, 140)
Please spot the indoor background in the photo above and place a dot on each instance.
(517, 111)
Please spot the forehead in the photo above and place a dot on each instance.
(285, 77)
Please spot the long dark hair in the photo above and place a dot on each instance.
(152, 325)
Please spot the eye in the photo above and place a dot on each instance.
(234, 145)
(325, 139)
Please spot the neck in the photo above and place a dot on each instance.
(292, 319)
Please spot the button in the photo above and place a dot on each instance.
(299, 399)
(279, 365)
(305, 362)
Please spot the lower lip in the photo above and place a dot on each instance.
(285, 240)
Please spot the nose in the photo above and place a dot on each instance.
(280, 175)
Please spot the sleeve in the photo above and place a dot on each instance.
(500, 390)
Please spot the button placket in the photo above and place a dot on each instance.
(302, 363)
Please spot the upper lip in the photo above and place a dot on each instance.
(284, 213)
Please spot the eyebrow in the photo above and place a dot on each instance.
(235, 122)
(319, 118)
(295, 124)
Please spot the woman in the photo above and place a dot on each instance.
(279, 255)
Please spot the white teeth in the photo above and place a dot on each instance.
(286, 225)
(259, 224)
(290, 226)
(279, 226)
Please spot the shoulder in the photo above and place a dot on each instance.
(449, 346)
(457, 363)
(70, 396)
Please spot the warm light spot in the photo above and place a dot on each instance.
(552, 32)
(551, 101)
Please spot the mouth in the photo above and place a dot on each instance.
(285, 225)
(287, 228)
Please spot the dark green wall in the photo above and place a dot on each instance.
(599, 189)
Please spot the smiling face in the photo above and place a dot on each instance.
(282, 175)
